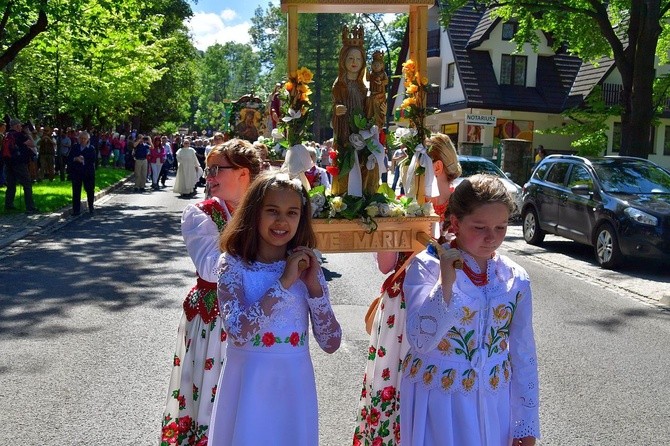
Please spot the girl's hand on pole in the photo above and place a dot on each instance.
(449, 260)
(291, 270)
(309, 270)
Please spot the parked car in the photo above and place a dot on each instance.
(619, 205)
(473, 165)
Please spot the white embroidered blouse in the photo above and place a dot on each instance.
(254, 305)
(482, 342)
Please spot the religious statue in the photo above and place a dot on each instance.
(378, 80)
(350, 100)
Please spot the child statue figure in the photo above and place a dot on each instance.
(378, 80)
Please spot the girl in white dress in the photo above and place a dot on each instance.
(201, 339)
(470, 377)
(270, 286)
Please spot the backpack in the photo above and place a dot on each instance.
(10, 150)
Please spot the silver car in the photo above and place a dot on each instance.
(473, 165)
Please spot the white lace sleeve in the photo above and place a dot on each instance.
(428, 316)
(201, 237)
(326, 329)
(524, 387)
(243, 320)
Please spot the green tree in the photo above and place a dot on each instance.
(21, 22)
(632, 32)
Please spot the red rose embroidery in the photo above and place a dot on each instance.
(176, 361)
(364, 413)
(390, 321)
(357, 442)
(388, 393)
(381, 352)
(377, 441)
(182, 402)
(184, 424)
(396, 432)
(209, 363)
(373, 417)
(170, 432)
(268, 339)
(371, 350)
(202, 441)
(294, 339)
(224, 335)
(386, 374)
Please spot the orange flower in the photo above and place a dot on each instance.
(288, 85)
(304, 75)
(412, 88)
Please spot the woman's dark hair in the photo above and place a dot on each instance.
(240, 237)
(476, 191)
(239, 153)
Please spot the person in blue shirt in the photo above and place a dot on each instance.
(140, 153)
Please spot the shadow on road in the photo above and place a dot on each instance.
(109, 260)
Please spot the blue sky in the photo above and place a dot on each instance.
(221, 21)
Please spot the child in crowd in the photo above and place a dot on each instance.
(270, 284)
(470, 377)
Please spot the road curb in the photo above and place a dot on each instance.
(44, 221)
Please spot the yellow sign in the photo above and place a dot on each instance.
(450, 129)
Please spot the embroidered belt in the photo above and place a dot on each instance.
(202, 300)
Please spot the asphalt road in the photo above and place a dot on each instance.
(89, 312)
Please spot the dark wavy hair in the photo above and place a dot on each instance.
(240, 237)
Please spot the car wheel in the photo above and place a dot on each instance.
(531, 227)
(606, 247)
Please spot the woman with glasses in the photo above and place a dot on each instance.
(230, 168)
(189, 171)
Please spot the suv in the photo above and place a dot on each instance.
(619, 205)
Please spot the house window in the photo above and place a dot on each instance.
(616, 137)
(508, 30)
(666, 141)
(513, 70)
(451, 72)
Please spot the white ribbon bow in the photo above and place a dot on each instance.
(297, 162)
(277, 135)
(422, 159)
(377, 155)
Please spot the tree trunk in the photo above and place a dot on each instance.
(13, 50)
(638, 76)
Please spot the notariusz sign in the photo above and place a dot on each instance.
(482, 120)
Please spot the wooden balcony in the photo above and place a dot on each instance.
(612, 96)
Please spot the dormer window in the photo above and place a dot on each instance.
(513, 70)
(508, 30)
(451, 73)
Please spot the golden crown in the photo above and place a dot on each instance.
(353, 37)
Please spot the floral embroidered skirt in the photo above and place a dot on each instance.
(198, 360)
(378, 417)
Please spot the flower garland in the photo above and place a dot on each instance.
(295, 107)
(414, 109)
(382, 204)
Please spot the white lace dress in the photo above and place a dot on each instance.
(470, 377)
(267, 392)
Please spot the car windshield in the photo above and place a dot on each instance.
(471, 167)
(632, 177)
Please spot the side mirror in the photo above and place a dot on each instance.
(581, 189)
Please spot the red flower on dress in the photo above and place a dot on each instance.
(268, 339)
(364, 413)
(396, 432)
(202, 441)
(373, 417)
(170, 432)
(371, 350)
(182, 402)
(390, 321)
(294, 339)
(209, 363)
(377, 441)
(185, 424)
(388, 393)
(386, 374)
(357, 442)
(224, 335)
(176, 362)
(381, 352)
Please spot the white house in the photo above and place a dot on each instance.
(487, 91)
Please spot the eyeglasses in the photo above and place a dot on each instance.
(213, 171)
